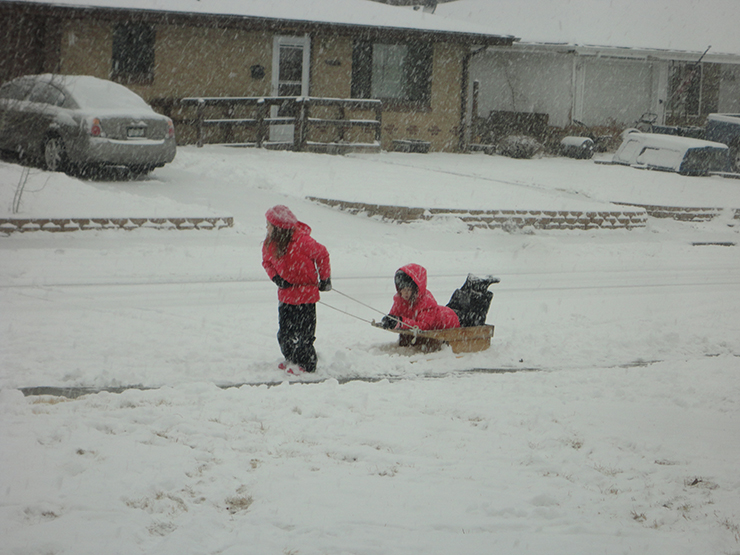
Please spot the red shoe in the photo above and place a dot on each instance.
(296, 371)
(282, 366)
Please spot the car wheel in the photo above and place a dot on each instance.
(55, 157)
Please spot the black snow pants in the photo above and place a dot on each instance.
(297, 334)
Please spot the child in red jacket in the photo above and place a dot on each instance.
(300, 267)
(415, 307)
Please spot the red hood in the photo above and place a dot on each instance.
(418, 274)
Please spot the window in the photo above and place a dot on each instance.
(16, 90)
(694, 90)
(133, 53)
(46, 93)
(290, 71)
(400, 72)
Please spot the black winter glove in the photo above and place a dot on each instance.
(281, 283)
(391, 322)
(325, 284)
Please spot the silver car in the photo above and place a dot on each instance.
(78, 122)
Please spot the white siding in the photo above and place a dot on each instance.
(583, 85)
(617, 91)
(524, 82)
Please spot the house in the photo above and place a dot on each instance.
(606, 86)
(605, 64)
(170, 50)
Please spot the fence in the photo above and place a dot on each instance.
(308, 116)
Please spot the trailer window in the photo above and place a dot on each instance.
(693, 90)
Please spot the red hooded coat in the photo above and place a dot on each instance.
(423, 312)
(305, 262)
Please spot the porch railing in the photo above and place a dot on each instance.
(232, 113)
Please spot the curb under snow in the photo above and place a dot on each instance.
(630, 217)
(10, 225)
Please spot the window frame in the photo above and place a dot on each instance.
(698, 96)
(417, 75)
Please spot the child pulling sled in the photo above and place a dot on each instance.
(300, 267)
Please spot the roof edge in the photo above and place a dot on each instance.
(465, 37)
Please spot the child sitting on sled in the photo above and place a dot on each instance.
(414, 306)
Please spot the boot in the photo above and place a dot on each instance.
(479, 284)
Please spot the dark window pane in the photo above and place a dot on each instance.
(291, 63)
(693, 91)
(289, 89)
(419, 79)
(362, 60)
(399, 71)
(133, 53)
(699, 161)
(710, 83)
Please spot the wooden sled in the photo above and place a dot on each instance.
(461, 340)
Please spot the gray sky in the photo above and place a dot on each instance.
(663, 24)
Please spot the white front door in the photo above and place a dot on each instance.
(290, 73)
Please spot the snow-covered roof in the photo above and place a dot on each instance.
(630, 53)
(662, 25)
(361, 13)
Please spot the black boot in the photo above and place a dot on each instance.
(479, 284)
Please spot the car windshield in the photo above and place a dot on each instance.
(92, 93)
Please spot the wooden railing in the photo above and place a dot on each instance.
(233, 113)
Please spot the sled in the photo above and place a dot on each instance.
(461, 340)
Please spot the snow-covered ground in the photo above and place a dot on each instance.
(603, 419)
